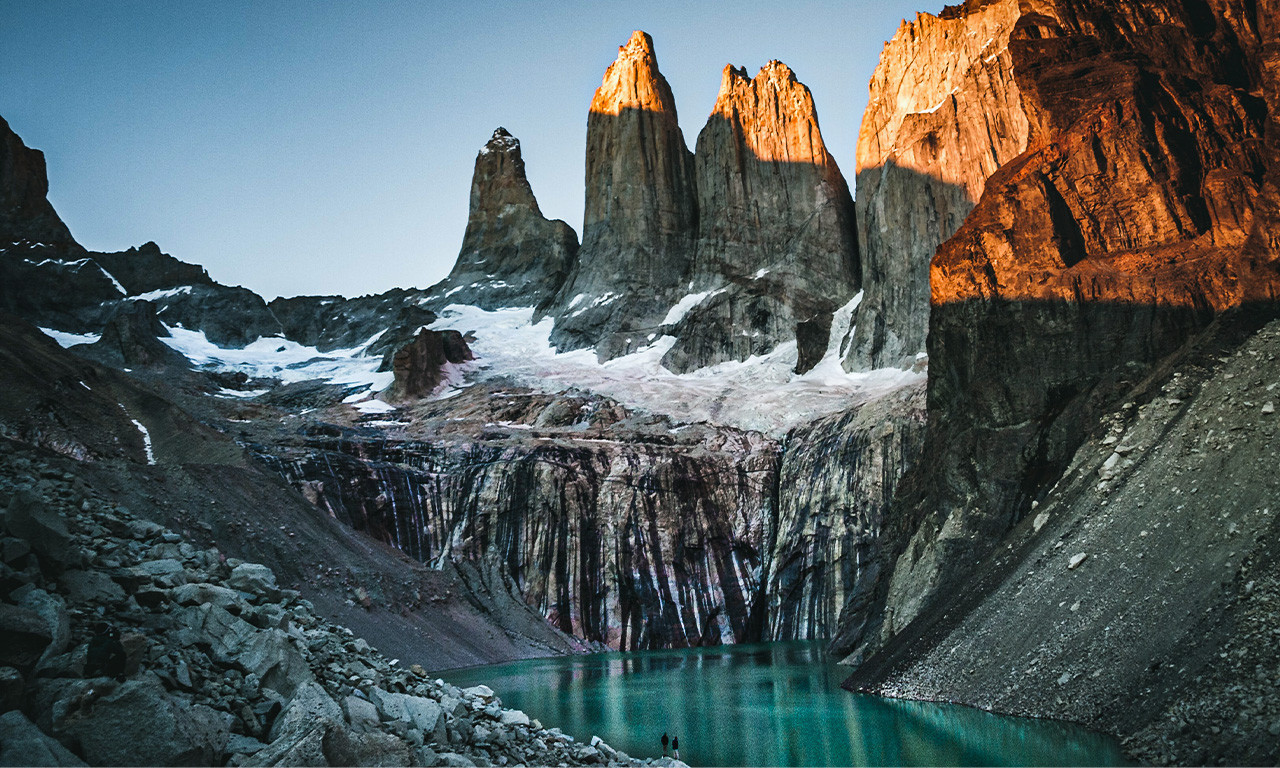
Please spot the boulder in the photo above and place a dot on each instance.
(27, 517)
(24, 636)
(138, 723)
(90, 587)
(201, 593)
(254, 578)
(268, 653)
(22, 743)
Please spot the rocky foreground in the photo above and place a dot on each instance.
(121, 643)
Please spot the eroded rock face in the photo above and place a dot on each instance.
(635, 536)
(776, 240)
(26, 217)
(1123, 230)
(512, 256)
(945, 111)
(641, 211)
(836, 482)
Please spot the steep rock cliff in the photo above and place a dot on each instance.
(631, 533)
(776, 241)
(512, 256)
(421, 365)
(1119, 233)
(26, 217)
(836, 482)
(641, 211)
(945, 111)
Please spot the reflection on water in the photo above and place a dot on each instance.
(772, 704)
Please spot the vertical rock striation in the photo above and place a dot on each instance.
(512, 256)
(776, 242)
(1131, 221)
(635, 542)
(836, 481)
(641, 211)
(945, 111)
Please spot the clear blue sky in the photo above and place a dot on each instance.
(327, 147)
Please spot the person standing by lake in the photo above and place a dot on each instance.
(675, 747)
(665, 741)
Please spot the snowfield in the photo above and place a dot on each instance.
(760, 393)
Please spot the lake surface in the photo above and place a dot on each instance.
(769, 704)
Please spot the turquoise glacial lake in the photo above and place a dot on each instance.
(769, 704)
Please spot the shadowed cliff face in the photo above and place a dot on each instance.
(632, 543)
(511, 256)
(25, 213)
(836, 483)
(641, 211)
(1122, 231)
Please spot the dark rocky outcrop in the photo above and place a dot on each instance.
(512, 256)
(641, 211)
(776, 241)
(384, 322)
(421, 365)
(131, 339)
(26, 217)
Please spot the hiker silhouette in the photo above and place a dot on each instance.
(665, 741)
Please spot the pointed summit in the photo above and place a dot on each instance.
(26, 216)
(511, 254)
(776, 238)
(641, 212)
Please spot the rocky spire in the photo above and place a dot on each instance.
(25, 213)
(776, 224)
(641, 212)
(511, 254)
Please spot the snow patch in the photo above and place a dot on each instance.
(288, 361)
(682, 307)
(161, 294)
(66, 339)
(374, 406)
(146, 435)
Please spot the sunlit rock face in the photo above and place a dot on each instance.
(512, 256)
(1140, 211)
(641, 211)
(945, 111)
(776, 241)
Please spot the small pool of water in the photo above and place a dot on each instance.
(770, 704)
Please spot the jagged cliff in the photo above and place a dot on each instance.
(512, 256)
(1124, 228)
(776, 245)
(641, 210)
(944, 112)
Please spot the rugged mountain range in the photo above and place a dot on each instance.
(1072, 207)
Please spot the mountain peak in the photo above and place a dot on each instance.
(633, 81)
(638, 46)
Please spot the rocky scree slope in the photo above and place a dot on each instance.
(1167, 517)
(1125, 227)
(124, 644)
